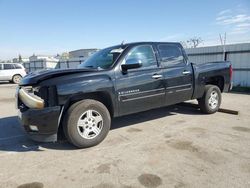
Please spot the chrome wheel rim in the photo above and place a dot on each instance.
(17, 79)
(213, 100)
(90, 124)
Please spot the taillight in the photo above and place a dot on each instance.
(230, 72)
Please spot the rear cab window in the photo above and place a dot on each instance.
(170, 55)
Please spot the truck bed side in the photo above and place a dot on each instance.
(216, 73)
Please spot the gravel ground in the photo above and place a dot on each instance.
(169, 147)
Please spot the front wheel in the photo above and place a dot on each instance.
(86, 123)
(211, 99)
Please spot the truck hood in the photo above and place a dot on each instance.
(38, 76)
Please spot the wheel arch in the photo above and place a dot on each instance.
(101, 96)
(15, 74)
(216, 80)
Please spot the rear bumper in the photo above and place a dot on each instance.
(41, 124)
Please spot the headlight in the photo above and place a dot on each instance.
(27, 96)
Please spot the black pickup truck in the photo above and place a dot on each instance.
(116, 81)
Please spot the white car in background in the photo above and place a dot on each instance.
(13, 72)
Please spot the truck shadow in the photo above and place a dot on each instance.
(14, 139)
(141, 117)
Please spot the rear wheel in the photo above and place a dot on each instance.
(87, 123)
(211, 99)
(17, 79)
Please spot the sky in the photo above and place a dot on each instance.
(48, 27)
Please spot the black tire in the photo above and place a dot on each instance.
(72, 116)
(16, 79)
(204, 101)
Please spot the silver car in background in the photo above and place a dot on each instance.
(13, 72)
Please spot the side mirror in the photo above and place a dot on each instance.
(131, 64)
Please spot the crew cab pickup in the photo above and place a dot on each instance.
(116, 81)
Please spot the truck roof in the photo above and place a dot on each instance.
(149, 42)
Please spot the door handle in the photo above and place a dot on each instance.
(186, 72)
(157, 76)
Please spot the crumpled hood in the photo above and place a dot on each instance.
(38, 76)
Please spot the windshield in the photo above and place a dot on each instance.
(103, 59)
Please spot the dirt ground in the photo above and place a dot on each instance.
(169, 147)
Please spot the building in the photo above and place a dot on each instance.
(20, 60)
(82, 53)
(66, 60)
(39, 62)
(74, 58)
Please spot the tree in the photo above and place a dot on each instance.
(20, 58)
(184, 44)
(194, 42)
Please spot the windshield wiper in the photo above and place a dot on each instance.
(90, 66)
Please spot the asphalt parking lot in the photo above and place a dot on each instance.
(169, 147)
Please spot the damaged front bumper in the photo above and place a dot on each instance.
(29, 100)
(40, 123)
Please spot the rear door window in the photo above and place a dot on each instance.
(170, 55)
(8, 66)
